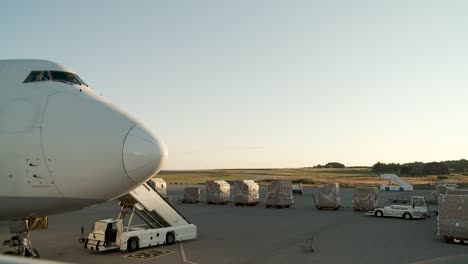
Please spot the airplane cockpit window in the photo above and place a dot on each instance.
(80, 80)
(38, 76)
(57, 76)
(66, 77)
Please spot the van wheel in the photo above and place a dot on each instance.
(170, 238)
(387, 189)
(407, 216)
(401, 189)
(132, 244)
(378, 213)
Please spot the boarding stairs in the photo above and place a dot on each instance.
(397, 180)
(151, 207)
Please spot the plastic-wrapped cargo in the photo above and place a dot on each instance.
(452, 221)
(443, 189)
(366, 198)
(329, 196)
(191, 195)
(457, 191)
(159, 185)
(218, 192)
(245, 192)
(440, 189)
(279, 194)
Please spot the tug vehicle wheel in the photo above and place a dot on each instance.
(407, 216)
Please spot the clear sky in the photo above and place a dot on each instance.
(245, 84)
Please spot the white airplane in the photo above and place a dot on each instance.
(63, 147)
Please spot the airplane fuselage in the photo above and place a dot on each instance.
(62, 146)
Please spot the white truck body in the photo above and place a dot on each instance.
(145, 237)
(152, 237)
(164, 224)
(418, 209)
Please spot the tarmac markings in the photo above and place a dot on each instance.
(149, 254)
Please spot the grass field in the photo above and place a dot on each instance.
(346, 177)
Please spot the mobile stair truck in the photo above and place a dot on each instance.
(398, 183)
(163, 224)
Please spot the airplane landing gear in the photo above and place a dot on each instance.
(20, 243)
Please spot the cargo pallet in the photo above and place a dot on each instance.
(324, 207)
(328, 207)
(246, 204)
(456, 240)
(277, 206)
(218, 203)
(363, 209)
(190, 201)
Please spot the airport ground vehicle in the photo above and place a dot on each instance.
(417, 209)
(163, 224)
(298, 189)
(396, 183)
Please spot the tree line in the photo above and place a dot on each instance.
(332, 165)
(421, 168)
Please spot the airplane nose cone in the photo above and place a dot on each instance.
(143, 154)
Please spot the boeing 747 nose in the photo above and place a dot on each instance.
(143, 154)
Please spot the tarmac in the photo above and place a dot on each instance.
(256, 234)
